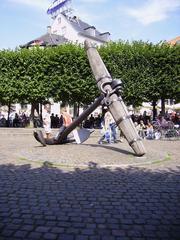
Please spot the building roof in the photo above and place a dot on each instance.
(81, 27)
(174, 41)
(47, 39)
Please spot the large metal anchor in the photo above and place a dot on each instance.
(110, 96)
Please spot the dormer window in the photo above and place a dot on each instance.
(105, 36)
(91, 30)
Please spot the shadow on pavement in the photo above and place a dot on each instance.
(112, 148)
(96, 203)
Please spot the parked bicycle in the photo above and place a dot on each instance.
(167, 131)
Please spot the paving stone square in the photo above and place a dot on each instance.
(87, 191)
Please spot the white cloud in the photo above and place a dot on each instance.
(153, 11)
(41, 4)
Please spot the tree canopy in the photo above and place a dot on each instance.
(148, 71)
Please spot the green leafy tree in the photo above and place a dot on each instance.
(149, 72)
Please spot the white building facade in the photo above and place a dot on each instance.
(77, 31)
(65, 28)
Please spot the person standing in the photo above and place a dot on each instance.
(109, 129)
(46, 117)
(149, 131)
(141, 129)
(112, 125)
(57, 121)
(66, 121)
(52, 120)
(91, 119)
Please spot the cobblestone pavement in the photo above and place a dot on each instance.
(94, 197)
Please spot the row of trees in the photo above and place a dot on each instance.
(149, 72)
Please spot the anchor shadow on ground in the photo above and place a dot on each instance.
(112, 148)
(94, 203)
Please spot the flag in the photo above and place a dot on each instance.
(54, 7)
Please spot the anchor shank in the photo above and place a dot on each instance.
(115, 103)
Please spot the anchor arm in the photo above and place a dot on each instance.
(62, 138)
(79, 119)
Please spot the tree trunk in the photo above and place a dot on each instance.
(34, 106)
(154, 104)
(40, 111)
(9, 110)
(78, 106)
(32, 110)
(75, 112)
(162, 106)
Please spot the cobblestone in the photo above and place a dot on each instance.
(93, 202)
(50, 236)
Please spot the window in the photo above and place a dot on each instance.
(63, 31)
(24, 106)
(59, 20)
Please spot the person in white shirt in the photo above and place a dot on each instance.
(109, 129)
(47, 120)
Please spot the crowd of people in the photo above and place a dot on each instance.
(146, 127)
(167, 117)
(144, 123)
(149, 129)
(93, 122)
(15, 120)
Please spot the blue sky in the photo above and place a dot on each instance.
(147, 20)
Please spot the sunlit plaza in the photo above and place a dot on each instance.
(89, 120)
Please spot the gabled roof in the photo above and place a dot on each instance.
(46, 40)
(81, 27)
(174, 41)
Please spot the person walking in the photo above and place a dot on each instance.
(108, 129)
(112, 125)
